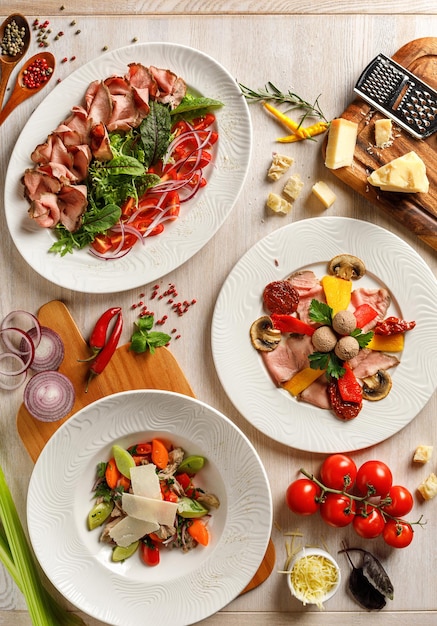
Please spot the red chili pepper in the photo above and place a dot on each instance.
(98, 336)
(105, 355)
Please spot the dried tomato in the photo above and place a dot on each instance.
(392, 326)
(280, 297)
(343, 410)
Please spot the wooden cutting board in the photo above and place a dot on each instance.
(417, 212)
(126, 370)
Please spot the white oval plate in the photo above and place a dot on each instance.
(390, 263)
(183, 588)
(200, 218)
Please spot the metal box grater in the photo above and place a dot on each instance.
(400, 95)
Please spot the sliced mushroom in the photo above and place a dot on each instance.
(376, 387)
(264, 337)
(347, 266)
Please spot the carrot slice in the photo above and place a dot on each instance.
(112, 475)
(199, 532)
(159, 454)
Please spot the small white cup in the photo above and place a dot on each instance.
(317, 552)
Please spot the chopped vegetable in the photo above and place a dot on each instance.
(393, 326)
(199, 532)
(364, 314)
(290, 324)
(159, 454)
(387, 343)
(337, 292)
(302, 379)
(307, 131)
(349, 387)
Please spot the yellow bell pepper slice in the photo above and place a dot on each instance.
(337, 292)
(302, 380)
(387, 343)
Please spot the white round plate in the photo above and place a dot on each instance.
(311, 243)
(199, 219)
(183, 588)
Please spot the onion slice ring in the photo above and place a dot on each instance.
(13, 380)
(25, 321)
(19, 343)
(50, 351)
(49, 396)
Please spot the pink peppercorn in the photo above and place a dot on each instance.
(37, 74)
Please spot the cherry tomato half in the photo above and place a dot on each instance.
(302, 496)
(149, 552)
(397, 533)
(374, 478)
(338, 471)
(370, 524)
(401, 501)
(337, 510)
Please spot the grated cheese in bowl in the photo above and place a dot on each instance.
(314, 576)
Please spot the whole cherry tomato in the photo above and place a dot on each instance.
(338, 471)
(369, 523)
(302, 496)
(397, 533)
(337, 510)
(149, 552)
(401, 501)
(374, 478)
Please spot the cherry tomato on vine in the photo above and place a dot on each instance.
(369, 525)
(338, 471)
(302, 496)
(397, 533)
(374, 478)
(337, 510)
(401, 501)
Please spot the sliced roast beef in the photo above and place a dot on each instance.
(308, 287)
(72, 200)
(317, 393)
(45, 210)
(288, 358)
(368, 362)
(37, 183)
(99, 142)
(171, 87)
(98, 102)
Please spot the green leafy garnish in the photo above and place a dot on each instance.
(144, 338)
(320, 312)
(155, 132)
(194, 106)
(362, 338)
(328, 361)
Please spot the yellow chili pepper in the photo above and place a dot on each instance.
(298, 130)
(316, 129)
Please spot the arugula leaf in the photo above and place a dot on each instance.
(362, 338)
(155, 131)
(320, 312)
(144, 338)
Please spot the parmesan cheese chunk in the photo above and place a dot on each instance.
(293, 187)
(405, 174)
(149, 509)
(280, 164)
(422, 454)
(129, 529)
(277, 204)
(342, 139)
(428, 488)
(383, 133)
(145, 481)
(324, 193)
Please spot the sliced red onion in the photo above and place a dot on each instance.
(24, 321)
(49, 396)
(10, 380)
(50, 352)
(17, 342)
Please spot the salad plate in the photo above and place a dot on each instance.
(200, 218)
(183, 588)
(310, 244)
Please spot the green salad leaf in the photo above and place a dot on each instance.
(144, 338)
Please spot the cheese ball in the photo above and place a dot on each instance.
(347, 348)
(344, 322)
(324, 339)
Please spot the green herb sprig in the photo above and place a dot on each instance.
(144, 338)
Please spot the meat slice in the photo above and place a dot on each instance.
(171, 87)
(99, 142)
(37, 183)
(79, 122)
(379, 299)
(308, 287)
(288, 358)
(45, 210)
(317, 393)
(72, 201)
(98, 102)
(368, 362)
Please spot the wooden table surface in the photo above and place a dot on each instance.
(317, 49)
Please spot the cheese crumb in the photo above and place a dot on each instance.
(280, 164)
(293, 187)
(428, 489)
(277, 204)
(422, 454)
(324, 193)
(383, 133)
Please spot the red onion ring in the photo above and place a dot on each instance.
(50, 352)
(49, 396)
(24, 321)
(17, 342)
(12, 381)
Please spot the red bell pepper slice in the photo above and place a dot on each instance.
(364, 314)
(290, 324)
(348, 386)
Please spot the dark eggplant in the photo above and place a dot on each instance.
(369, 584)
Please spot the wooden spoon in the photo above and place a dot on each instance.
(20, 91)
(7, 61)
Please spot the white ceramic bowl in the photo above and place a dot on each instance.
(316, 552)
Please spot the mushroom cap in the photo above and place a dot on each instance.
(344, 322)
(378, 386)
(324, 339)
(347, 348)
(347, 266)
(263, 335)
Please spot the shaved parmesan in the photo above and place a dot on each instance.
(313, 576)
(129, 529)
(149, 509)
(145, 481)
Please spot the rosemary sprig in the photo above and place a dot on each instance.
(271, 92)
